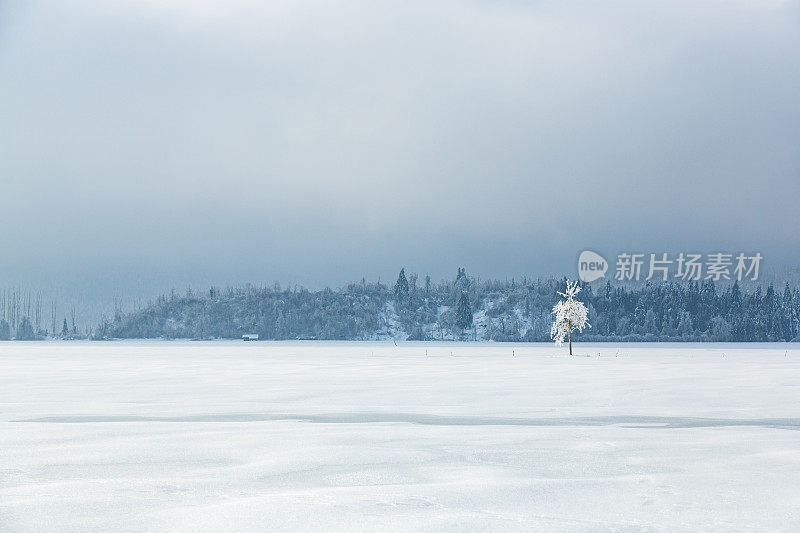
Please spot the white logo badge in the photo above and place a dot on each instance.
(591, 266)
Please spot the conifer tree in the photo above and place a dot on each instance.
(463, 312)
(401, 287)
(25, 330)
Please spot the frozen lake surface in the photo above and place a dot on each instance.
(232, 436)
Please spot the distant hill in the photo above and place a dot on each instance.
(516, 310)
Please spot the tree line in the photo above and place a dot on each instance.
(466, 308)
(23, 317)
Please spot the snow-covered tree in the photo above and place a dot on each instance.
(463, 313)
(401, 287)
(25, 330)
(570, 315)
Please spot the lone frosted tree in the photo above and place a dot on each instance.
(570, 315)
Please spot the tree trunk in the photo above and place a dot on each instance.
(569, 332)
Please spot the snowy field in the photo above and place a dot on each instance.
(233, 436)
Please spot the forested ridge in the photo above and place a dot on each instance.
(467, 308)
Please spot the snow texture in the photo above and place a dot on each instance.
(392, 328)
(234, 436)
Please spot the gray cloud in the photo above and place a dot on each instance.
(316, 142)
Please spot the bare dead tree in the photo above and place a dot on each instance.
(37, 312)
(53, 318)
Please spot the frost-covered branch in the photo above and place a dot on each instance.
(570, 315)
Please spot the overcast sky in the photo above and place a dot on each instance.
(149, 144)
